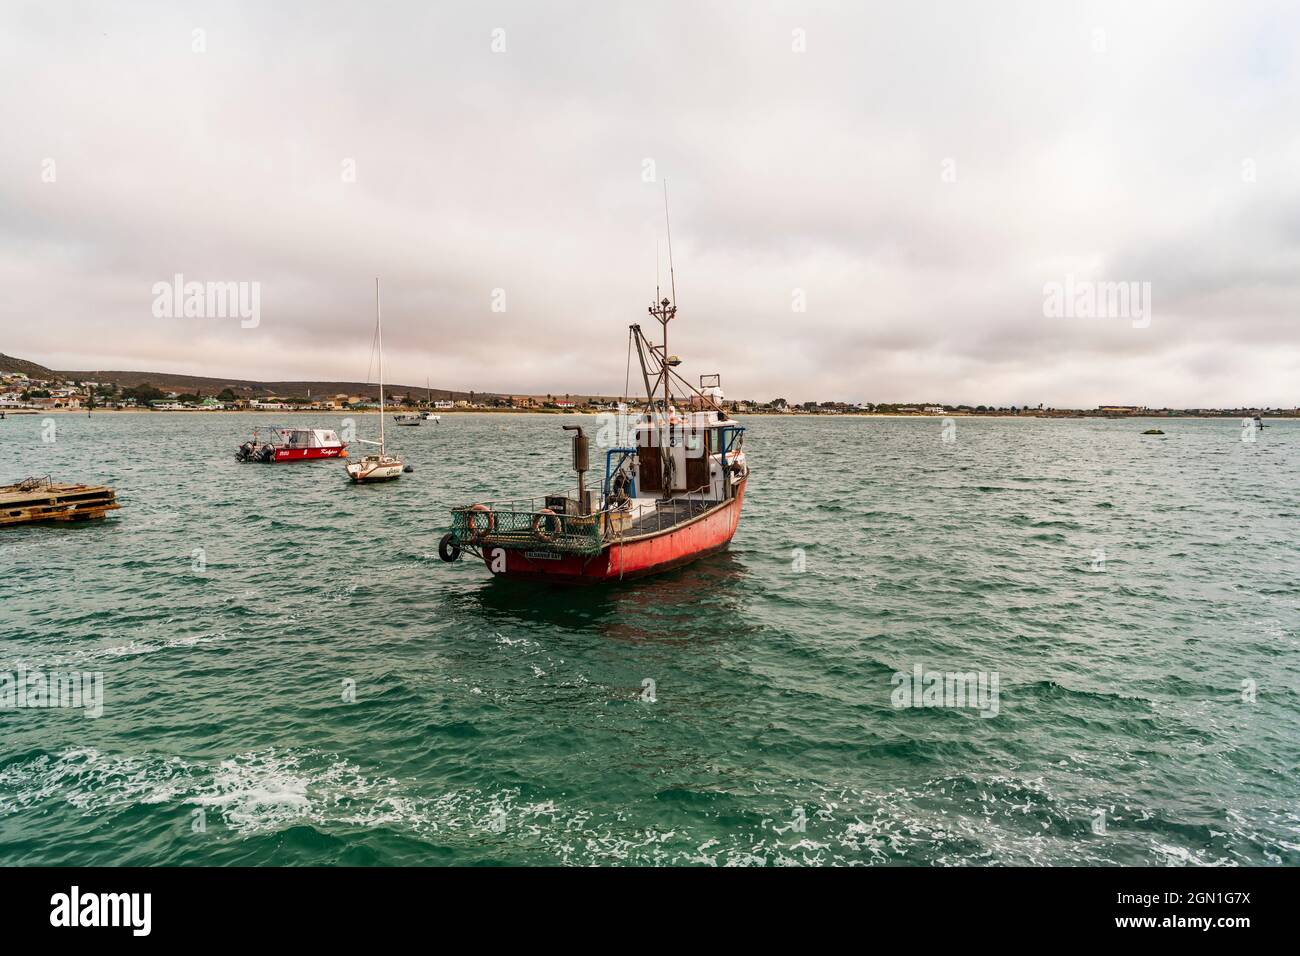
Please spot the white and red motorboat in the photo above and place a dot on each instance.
(674, 484)
(278, 444)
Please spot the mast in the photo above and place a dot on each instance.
(379, 328)
(672, 281)
(665, 324)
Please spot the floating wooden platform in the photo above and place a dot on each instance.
(40, 499)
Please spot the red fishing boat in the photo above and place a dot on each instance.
(673, 487)
(279, 444)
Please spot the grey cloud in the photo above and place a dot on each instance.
(818, 171)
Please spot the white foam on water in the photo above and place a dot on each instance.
(133, 648)
(265, 791)
(76, 656)
(93, 782)
(515, 642)
(1167, 854)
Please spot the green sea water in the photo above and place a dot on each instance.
(1137, 598)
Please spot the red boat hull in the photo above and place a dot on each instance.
(307, 454)
(686, 542)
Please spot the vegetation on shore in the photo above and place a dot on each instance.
(27, 385)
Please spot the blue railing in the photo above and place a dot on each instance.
(610, 468)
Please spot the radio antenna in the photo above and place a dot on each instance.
(672, 276)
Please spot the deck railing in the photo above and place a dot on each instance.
(659, 516)
(529, 522)
(518, 522)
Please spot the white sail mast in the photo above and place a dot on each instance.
(379, 328)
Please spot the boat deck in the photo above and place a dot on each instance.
(39, 499)
(666, 514)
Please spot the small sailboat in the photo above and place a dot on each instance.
(381, 466)
(428, 398)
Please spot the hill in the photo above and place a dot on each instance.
(10, 364)
(249, 388)
(252, 388)
(211, 385)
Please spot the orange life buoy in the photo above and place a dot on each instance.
(476, 533)
(539, 524)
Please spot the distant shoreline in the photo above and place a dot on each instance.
(272, 412)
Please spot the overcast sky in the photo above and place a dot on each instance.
(913, 174)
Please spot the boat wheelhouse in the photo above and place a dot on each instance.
(277, 443)
(673, 487)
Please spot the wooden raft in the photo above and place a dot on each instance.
(40, 499)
